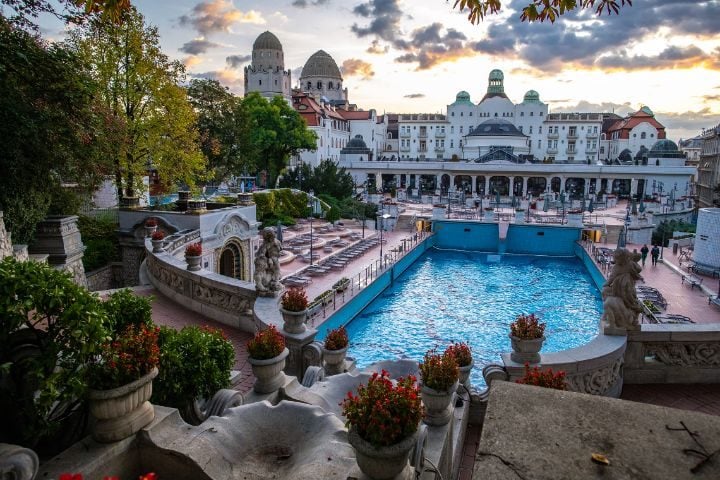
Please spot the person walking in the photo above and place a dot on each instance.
(654, 254)
(644, 253)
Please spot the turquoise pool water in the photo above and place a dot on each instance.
(450, 296)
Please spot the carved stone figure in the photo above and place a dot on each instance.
(620, 303)
(267, 265)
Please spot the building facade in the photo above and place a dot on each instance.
(709, 168)
(266, 73)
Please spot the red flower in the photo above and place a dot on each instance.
(71, 476)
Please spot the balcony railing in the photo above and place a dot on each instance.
(422, 134)
(571, 151)
(405, 148)
(572, 135)
(591, 150)
(553, 135)
(422, 149)
(552, 150)
(591, 135)
(439, 134)
(405, 134)
(439, 149)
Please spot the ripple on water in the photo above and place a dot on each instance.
(458, 296)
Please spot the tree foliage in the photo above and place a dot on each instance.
(53, 129)
(224, 137)
(140, 85)
(22, 13)
(540, 10)
(326, 178)
(276, 131)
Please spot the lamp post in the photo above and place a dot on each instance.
(310, 206)
(622, 240)
(383, 217)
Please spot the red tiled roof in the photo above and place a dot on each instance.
(356, 115)
(632, 121)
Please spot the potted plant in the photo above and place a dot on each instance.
(527, 335)
(267, 356)
(334, 350)
(293, 306)
(341, 285)
(157, 239)
(121, 383)
(439, 377)
(383, 420)
(193, 256)
(543, 378)
(463, 356)
(150, 226)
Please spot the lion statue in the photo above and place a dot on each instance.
(620, 303)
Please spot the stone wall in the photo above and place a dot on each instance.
(673, 354)
(707, 237)
(105, 278)
(221, 298)
(59, 237)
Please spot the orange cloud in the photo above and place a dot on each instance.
(219, 16)
(192, 61)
(356, 67)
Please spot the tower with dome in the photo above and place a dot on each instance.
(266, 73)
(321, 77)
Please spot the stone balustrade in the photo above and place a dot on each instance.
(224, 299)
(668, 353)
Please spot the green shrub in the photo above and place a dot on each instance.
(50, 330)
(99, 252)
(195, 362)
(125, 308)
(99, 234)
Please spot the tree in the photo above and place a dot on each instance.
(326, 178)
(277, 131)
(539, 10)
(53, 129)
(139, 84)
(222, 122)
(23, 12)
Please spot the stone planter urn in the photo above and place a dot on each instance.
(526, 350)
(149, 230)
(268, 373)
(193, 262)
(381, 463)
(334, 360)
(157, 245)
(465, 374)
(121, 412)
(294, 322)
(438, 404)
(196, 206)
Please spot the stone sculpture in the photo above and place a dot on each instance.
(267, 265)
(620, 303)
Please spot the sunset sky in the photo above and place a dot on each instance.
(415, 55)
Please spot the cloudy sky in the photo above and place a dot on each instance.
(415, 55)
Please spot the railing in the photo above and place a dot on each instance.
(405, 134)
(327, 306)
(552, 150)
(439, 149)
(177, 240)
(553, 135)
(591, 135)
(572, 135)
(422, 134)
(571, 150)
(440, 134)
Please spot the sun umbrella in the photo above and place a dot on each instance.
(590, 206)
(583, 205)
(497, 198)
(562, 198)
(642, 205)
(546, 204)
(634, 207)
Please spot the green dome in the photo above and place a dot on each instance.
(531, 97)
(647, 110)
(496, 75)
(267, 41)
(462, 95)
(664, 146)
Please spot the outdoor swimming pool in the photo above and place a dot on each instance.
(448, 296)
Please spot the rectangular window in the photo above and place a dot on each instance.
(539, 143)
(461, 129)
(540, 129)
(530, 129)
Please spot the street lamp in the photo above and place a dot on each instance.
(384, 217)
(311, 206)
(622, 239)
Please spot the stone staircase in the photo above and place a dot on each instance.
(405, 223)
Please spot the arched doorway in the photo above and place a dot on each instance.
(499, 185)
(536, 185)
(480, 185)
(463, 183)
(231, 262)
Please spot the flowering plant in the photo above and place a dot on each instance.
(462, 353)
(266, 344)
(544, 378)
(439, 371)
(527, 327)
(158, 235)
(193, 250)
(131, 355)
(336, 339)
(294, 299)
(151, 222)
(382, 412)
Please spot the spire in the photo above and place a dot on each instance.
(495, 83)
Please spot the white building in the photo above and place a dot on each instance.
(572, 137)
(266, 73)
(422, 136)
(330, 127)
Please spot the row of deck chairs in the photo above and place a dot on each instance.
(339, 261)
(652, 294)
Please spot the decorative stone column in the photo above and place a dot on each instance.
(6, 248)
(525, 187)
(245, 199)
(296, 343)
(59, 237)
(473, 180)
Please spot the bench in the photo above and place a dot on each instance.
(707, 270)
(714, 301)
(692, 280)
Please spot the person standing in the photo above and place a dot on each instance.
(644, 253)
(654, 254)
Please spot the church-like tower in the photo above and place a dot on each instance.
(321, 77)
(266, 74)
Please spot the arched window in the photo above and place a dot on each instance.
(319, 85)
(259, 82)
(642, 135)
(309, 85)
(330, 86)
